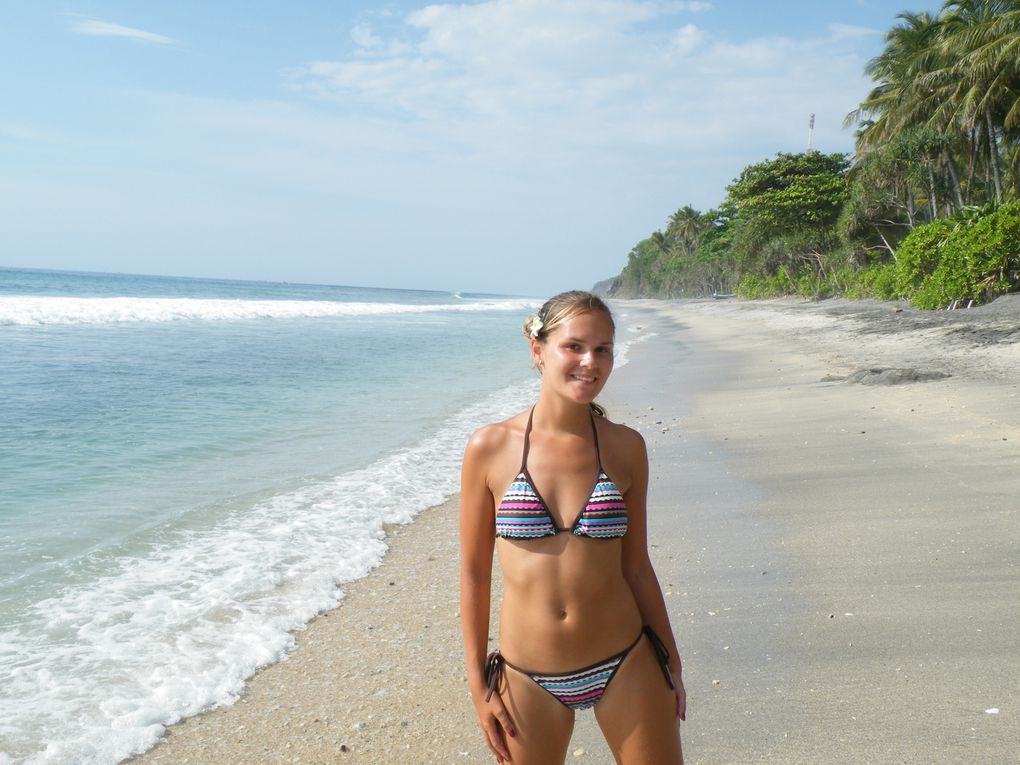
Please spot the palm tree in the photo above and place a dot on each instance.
(896, 102)
(905, 102)
(1003, 47)
(983, 83)
(685, 227)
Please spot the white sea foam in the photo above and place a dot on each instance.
(32, 310)
(620, 357)
(99, 671)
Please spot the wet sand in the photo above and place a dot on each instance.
(834, 517)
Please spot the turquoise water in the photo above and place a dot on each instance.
(189, 468)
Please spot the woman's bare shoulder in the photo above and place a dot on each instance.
(623, 436)
(493, 438)
(625, 454)
(624, 447)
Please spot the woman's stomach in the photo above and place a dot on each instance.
(566, 604)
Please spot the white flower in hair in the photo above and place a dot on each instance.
(534, 327)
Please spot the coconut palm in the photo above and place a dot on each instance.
(684, 229)
(905, 103)
(896, 103)
(981, 85)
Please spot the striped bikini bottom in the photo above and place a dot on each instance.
(581, 688)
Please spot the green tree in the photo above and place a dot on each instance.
(642, 276)
(980, 85)
(903, 109)
(794, 196)
(684, 229)
(897, 101)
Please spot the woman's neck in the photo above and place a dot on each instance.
(555, 413)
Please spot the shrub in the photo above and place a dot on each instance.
(811, 285)
(756, 287)
(975, 260)
(877, 281)
(991, 249)
(880, 282)
(919, 254)
(948, 282)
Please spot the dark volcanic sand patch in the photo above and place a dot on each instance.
(889, 376)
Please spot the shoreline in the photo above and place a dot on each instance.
(356, 684)
(834, 591)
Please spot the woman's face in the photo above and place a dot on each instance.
(577, 357)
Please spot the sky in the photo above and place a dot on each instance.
(501, 146)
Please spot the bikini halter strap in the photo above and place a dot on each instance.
(527, 439)
(595, 433)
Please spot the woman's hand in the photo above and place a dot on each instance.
(681, 694)
(496, 725)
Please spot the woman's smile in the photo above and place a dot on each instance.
(579, 353)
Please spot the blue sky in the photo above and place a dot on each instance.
(513, 146)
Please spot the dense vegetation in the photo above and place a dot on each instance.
(927, 209)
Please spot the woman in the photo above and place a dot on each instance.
(560, 491)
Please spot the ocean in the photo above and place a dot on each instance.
(192, 469)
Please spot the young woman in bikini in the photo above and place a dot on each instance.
(560, 491)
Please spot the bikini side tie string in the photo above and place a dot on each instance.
(493, 667)
(661, 652)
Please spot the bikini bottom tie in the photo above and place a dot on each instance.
(661, 653)
(493, 667)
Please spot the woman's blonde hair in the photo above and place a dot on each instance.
(560, 308)
(563, 307)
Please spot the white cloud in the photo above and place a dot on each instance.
(363, 37)
(552, 78)
(686, 39)
(96, 28)
(503, 57)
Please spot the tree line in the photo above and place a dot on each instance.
(927, 208)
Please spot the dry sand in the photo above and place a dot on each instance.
(840, 555)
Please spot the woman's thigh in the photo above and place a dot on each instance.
(543, 725)
(637, 713)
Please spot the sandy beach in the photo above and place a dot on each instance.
(834, 520)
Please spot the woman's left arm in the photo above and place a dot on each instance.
(637, 566)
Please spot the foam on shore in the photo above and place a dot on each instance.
(40, 310)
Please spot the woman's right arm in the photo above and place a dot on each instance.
(477, 540)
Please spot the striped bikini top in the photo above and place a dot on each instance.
(523, 514)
